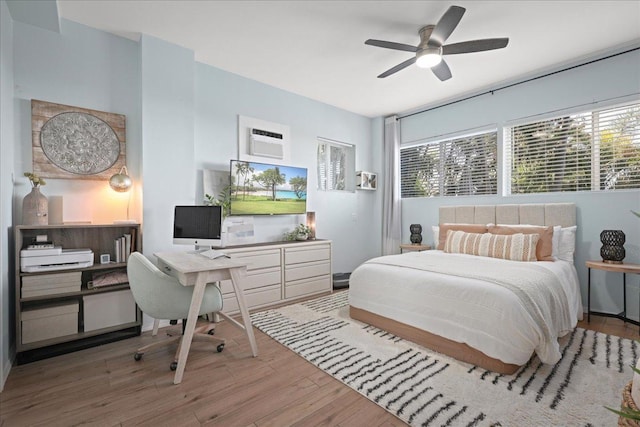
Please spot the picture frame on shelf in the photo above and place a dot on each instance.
(366, 180)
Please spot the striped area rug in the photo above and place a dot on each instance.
(425, 388)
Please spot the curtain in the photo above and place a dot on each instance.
(391, 208)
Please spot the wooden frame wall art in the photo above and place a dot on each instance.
(76, 143)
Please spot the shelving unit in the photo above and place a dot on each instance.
(100, 239)
(366, 180)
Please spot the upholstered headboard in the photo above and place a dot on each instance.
(563, 214)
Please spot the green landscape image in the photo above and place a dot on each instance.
(264, 189)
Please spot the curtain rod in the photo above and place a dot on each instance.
(491, 92)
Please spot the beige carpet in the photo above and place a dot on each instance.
(426, 388)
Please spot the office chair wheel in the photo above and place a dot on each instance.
(220, 347)
(211, 332)
(173, 366)
(137, 356)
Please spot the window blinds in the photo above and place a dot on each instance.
(595, 150)
(464, 165)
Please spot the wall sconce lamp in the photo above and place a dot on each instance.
(121, 182)
(311, 223)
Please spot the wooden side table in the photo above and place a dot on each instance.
(410, 247)
(616, 268)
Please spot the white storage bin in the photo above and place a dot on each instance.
(108, 309)
(49, 322)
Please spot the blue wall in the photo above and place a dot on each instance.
(350, 220)
(85, 68)
(606, 82)
(181, 117)
(168, 177)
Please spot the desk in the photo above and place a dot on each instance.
(616, 268)
(196, 270)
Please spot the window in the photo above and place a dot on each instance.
(596, 150)
(463, 166)
(336, 165)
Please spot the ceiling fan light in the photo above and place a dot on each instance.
(428, 58)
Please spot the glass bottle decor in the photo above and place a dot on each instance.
(35, 208)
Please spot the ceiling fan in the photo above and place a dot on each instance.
(428, 54)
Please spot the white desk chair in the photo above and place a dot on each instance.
(163, 297)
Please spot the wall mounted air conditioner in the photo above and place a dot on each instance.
(266, 144)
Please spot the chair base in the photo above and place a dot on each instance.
(202, 333)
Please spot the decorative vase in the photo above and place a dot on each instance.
(35, 208)
(612, 250)
(302, 236)
(416, 234)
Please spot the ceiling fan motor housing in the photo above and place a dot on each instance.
(427, 54)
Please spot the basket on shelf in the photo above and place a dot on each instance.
(627, 402)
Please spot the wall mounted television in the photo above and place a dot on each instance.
(267, 189)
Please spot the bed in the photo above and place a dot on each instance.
(490, 312)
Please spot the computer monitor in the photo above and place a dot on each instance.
(197, 225)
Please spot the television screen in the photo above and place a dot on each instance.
(265, 189)
(197, 225)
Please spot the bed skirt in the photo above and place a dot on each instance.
(434, 342)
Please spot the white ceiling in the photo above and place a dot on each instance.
(316, 48)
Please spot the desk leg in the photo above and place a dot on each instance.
(235, 280)
(624, 296)
(185, 345)
(588, 295)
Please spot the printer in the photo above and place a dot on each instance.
(63, 259)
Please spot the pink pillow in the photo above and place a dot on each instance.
(469, 228)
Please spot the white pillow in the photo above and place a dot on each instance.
(436, 235)
(567, 243)
(555, 241)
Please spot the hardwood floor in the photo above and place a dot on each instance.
(104, 386)
(611, 326)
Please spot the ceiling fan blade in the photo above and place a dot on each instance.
(474, 46)
(442, 71)
(391, 45)
(397, 68)
(446, 25)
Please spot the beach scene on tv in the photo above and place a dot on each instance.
(264, 189)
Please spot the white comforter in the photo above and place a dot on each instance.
(471, 299)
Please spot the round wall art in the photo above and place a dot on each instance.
(79, 143)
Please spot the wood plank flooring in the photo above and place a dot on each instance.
(104, 386)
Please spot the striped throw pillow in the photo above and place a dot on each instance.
(514, 247)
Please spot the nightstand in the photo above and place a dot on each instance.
(410, 247)
(615, 268)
